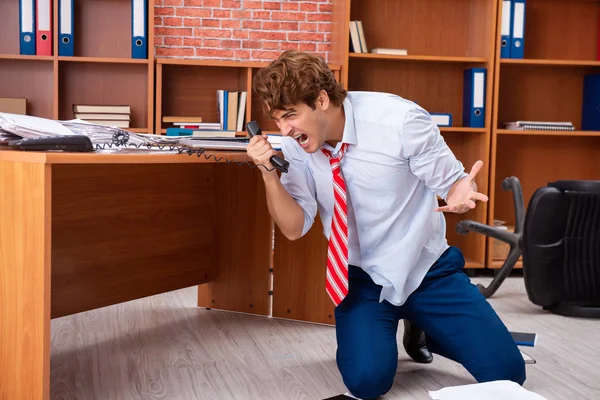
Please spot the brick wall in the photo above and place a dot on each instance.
(240, 29)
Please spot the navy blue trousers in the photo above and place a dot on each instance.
(458, 322)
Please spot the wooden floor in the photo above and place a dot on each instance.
(163, 347)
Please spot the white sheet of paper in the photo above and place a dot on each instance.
(496, 390)
(31, 127)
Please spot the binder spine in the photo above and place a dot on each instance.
(66, 17)
(518, 29)
(27, 27)
(139, 28)
(506, 32)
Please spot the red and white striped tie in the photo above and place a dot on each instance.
(337, 253)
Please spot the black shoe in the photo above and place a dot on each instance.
(415, 344)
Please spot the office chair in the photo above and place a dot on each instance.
(559, 239)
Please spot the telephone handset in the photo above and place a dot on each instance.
(279, 163)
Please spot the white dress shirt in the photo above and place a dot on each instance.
(396, 163)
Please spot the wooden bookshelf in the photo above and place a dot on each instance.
(101, 71)
(186, 87)
(459, 34)
(560, 47)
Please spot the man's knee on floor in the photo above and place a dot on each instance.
(369, 383)
(510, 368)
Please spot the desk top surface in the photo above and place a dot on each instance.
(124, 156)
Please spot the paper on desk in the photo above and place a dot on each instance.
(496, 390)
(28, 126)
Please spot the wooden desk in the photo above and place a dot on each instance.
(82, 231)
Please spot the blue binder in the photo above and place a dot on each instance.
(139, 28)
(66, 18)
(590, 118)
(474, 88)
(517, 49)
(506, 31)
(27, 27)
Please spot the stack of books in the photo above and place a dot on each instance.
(539, 126)
(111, 115)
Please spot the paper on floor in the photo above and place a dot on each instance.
(496, 390)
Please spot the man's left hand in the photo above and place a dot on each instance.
(463, 194)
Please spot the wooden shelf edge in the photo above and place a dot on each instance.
(473, 264)
(222, 63)
(24, 57)
(462, 129)
(370, 56)
(546, 133)
(497, 264)
(550, 62)
(109, 60)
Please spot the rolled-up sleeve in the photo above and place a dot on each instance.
(429, 157)
(299, 182)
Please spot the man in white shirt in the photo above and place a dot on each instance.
(372, 165)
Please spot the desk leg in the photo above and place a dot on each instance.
(243, 243)
(24, 280)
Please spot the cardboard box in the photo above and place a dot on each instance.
(13, 106)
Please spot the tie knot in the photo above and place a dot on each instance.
(340, 153)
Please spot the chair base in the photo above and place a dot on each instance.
(574, 310)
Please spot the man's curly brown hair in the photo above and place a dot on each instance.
(295, 77)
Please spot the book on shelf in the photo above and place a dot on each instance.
(102, 109)
(104, 114)
(179, 120)
(231, 109)
(13, 106)
(358, 42)
(539, 125)
(357, 37)
(385, 50)
(441, 119)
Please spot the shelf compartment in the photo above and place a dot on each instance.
(434, 59)
(537, 160)
(104, 84)
(561, 30)
(458, 28)
(469, 148)
(32, 80)
(436, 87)
(103, 29)
(541, 94)
(191, 90)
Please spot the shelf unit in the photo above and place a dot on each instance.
(459, 34)
(561, 47)
(186, 87)
(101, 71)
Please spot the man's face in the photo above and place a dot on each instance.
(307, 126)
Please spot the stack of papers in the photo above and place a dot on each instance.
(28, 127)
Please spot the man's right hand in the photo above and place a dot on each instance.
(260, 151)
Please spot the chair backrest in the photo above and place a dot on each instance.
(561, 244)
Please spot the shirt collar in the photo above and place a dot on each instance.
(349, 135)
